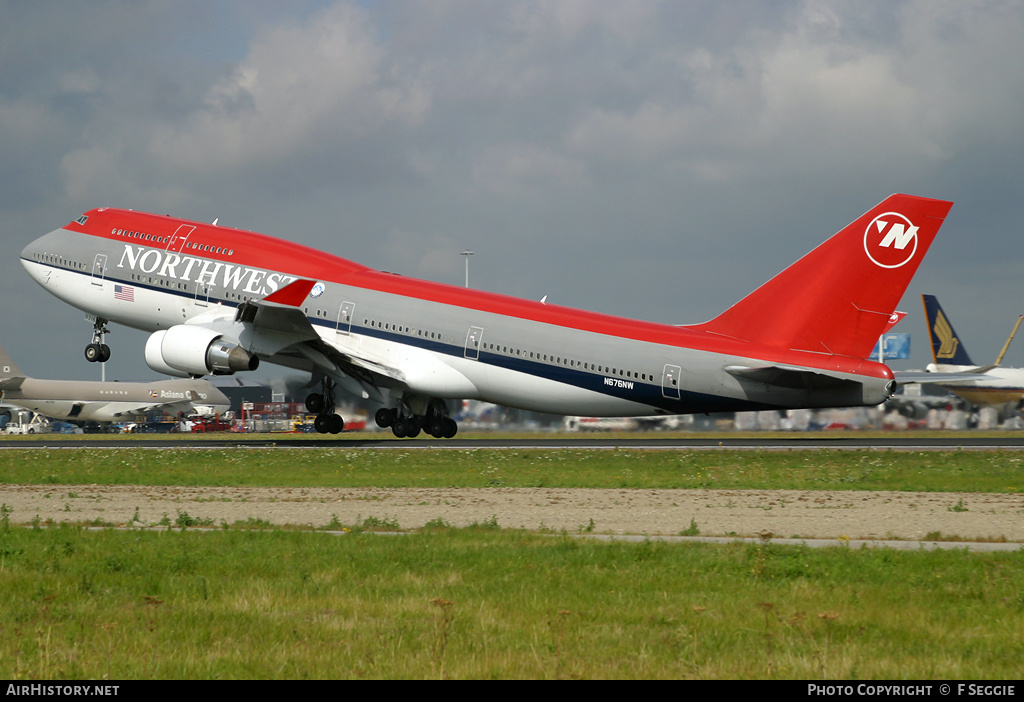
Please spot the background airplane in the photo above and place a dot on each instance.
(990, 385)
(93, 401)
(220, 300)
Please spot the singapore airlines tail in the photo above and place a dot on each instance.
(838, 299)
(947, 349)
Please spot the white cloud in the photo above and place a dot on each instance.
(303, 88)
(401, 132)
(433, 257)
(565, 20)
(518, 169)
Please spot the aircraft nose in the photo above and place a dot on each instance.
(28, 252)
(33, 257)
(39, 273)
(28, 257)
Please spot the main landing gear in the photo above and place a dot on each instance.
(322, 404)
(407, 425)
(97, 351)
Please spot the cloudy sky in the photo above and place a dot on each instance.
(651, 159)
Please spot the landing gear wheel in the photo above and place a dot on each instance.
(97, 353)
(329, 423)
(314, 403)
(405, 428)
(399, 427)
(451, 428)
(437, 427)
(443, 427)
(384, 417)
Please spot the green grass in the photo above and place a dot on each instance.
(482, 603)
(947, 471)
(253, 601)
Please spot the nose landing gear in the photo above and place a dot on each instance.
(97, 351)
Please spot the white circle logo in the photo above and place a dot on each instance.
(890, 240)
(317, 290)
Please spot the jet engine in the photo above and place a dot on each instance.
(912, 410)
(188, 351)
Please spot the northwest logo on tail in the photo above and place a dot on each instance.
(890, 240)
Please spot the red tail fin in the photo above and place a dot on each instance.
(838, 298)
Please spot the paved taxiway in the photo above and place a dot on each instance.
(801, 441)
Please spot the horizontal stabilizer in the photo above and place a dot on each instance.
(894, 319)
(10, 384)
(787, 377)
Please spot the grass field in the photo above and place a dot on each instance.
(946, 471)
(485, 602)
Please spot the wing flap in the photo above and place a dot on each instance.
(358, 376)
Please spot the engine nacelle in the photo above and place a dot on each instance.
(913, 410)
(188, 351)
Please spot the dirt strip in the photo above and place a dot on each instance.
(782, 513)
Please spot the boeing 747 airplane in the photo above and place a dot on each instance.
(219, 301)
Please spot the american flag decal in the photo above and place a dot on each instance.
(124, 292)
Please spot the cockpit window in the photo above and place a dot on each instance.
(83, 219)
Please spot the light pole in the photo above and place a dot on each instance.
(467, 253)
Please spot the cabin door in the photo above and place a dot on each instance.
(670, 381)
(474, 338)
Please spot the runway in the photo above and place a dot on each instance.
(816, 441)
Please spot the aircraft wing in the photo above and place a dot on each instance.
(962, 377)
(115, 411)
(278, 327)
(276, 321)
(359, 375)
(140, 408)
